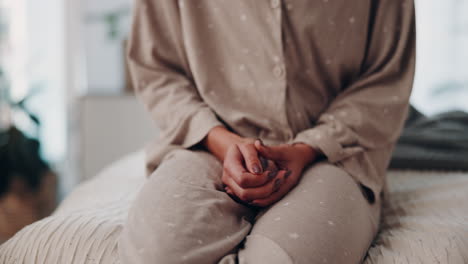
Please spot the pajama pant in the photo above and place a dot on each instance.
(183, 215)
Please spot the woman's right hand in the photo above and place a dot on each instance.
(247, 176)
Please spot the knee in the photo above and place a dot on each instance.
(195, 168)
(146, 239)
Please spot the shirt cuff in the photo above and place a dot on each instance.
(199, 126)
(318, 138)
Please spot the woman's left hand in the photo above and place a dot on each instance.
(294, 158)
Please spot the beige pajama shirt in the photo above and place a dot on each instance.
(334, 74)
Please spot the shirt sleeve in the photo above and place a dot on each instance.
(159, 71)
(360, 126)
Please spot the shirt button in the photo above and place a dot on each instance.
(278, 71)
(275, 3)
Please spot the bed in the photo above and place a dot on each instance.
(424, 221)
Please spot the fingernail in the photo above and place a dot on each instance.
(286, 175)
(277, 185)
(264, 162)
(272, 174)
(256, 169)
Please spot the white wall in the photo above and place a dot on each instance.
(35, 61)
(45, 70)
(104, 56)
(442, 55)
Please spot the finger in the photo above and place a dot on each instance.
(253, 181)
(234, 197)
(234, 168)
(262, 192)
(250, 154)
(270, 170)
(272, 166)
(243, 178)
(270, 173)
(264, 162)
(276, 196)
(233, 164)
(269, 152)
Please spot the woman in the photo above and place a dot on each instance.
(277, 119)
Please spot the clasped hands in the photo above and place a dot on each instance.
(254, 173)
(260, 175)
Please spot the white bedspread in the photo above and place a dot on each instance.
(425, 220)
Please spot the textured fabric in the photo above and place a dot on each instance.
(436, 142)
(424, 220)
(336, 75)
(183, 215)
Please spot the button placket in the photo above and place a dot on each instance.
(275, 3)
(279, 70)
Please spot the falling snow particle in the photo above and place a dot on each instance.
(242, 67)
(331, 223)
(286, 204)
(243, 17)
(352, 20)
(277, 218)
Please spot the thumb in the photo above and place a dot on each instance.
(269, 152)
